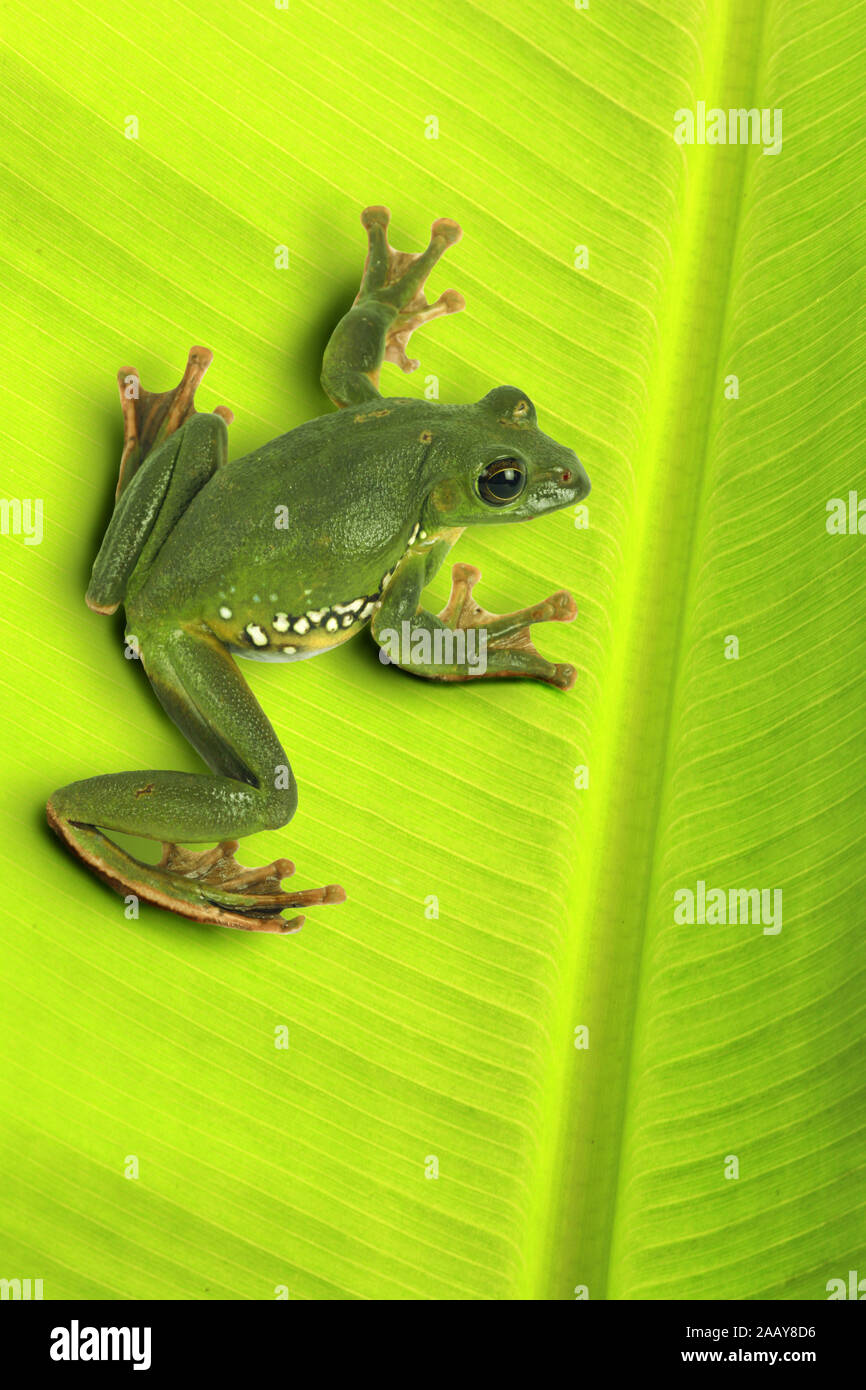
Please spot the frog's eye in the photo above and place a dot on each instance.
(502, 481)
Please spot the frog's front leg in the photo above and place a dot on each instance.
(465, 642)
(387, 309)
(201, 688)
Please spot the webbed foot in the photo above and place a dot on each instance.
(510, 650)
(397, 278)
(208, 886)
(151, 416)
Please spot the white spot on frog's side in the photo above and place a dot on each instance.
(422, 535)
(334, 620)
(225, 611)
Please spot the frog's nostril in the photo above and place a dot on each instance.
(566, 476)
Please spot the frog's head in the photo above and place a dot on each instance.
(503, 467)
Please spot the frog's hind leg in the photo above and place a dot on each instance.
(253, 789)
(387, 309)
(175, 469)
(149, 417)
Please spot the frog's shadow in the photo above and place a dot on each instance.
(112, 450)
(312, 343)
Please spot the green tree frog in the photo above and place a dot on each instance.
(333, 528)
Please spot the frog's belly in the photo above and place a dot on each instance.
(276, 654)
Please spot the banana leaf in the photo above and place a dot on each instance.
(507, 1067)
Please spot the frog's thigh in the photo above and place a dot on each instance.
(146, 510)
(205, 694)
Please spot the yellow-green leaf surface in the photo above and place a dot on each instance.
(720, 643)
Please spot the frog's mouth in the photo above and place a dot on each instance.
(563, 487)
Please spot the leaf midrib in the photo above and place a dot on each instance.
(569, 1230)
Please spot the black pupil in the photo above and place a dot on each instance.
(501, 481)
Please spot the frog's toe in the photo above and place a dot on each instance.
(397, 340)
(151, 416)
(207, 886)
(509, 645)
(564, 676)
(249, 899)
(397, 278)
(375, 216)
(461, 607)
(559, 608)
